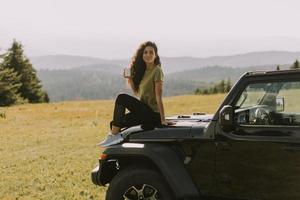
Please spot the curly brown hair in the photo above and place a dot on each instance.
(138, 66)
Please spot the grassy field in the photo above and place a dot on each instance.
(48, 150)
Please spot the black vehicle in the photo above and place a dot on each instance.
(249, 149)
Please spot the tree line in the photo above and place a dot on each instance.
(221, 87)
(295, 65)
(225, 86)
(18, 79)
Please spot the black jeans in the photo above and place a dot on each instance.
(140, 113)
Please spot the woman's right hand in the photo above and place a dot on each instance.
(127, 72)
(167, 123)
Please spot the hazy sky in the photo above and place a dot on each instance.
(114, 28)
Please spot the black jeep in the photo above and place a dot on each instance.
(249, 149)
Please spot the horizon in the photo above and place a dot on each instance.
(214, 56)
(291, 45)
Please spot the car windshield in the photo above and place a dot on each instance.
(258, 94)
(274, 103)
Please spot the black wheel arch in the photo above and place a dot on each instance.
(158, 157)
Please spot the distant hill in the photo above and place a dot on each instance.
(75, 77)
(95, 83)
(216, 73)
(75, 84)
(170, 64)
(236, 61)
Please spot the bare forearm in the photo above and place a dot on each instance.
(158, 93)
(161, 110)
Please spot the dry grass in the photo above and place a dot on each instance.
(48, 150)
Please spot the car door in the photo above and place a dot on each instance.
(200, 164)
(260, 159)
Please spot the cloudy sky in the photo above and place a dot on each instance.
(114, 28)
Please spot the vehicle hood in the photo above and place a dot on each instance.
(186, 127)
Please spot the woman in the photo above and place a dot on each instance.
(146, 81)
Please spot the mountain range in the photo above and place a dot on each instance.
(76, 77)
(170, 64)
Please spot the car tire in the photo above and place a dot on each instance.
(137, 183)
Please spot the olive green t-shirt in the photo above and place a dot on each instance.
(147, 86)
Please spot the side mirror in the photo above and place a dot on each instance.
(279, 104)
(226, 118)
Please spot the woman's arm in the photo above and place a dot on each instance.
(158, 94)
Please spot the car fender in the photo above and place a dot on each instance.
(166, 160)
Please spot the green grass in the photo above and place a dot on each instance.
(47, 151)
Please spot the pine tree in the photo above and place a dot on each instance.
(221, 87)
(296, 65)
(9, 86)
(31, 88)
(278, 67)
(228, 85)
(215, 90)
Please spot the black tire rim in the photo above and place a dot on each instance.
(141, 192)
